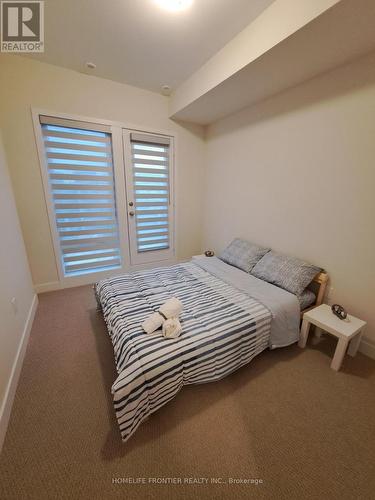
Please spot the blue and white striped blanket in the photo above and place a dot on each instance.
(223, 329)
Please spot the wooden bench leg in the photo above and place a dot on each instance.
(342, 344)
(304, 333)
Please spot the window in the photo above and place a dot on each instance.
(109, 193)
(81, 181)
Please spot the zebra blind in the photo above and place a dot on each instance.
(81, 180)
(151, 181)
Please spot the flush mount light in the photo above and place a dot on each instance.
(166, 90)
(90, 65)
(174, 5)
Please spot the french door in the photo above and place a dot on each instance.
(148, 162)
(109, 194)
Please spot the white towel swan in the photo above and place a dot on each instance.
(170, 309)
(172, 328)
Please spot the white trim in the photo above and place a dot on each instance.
(90, 279)
(368, 348)
(6, 405)
(73, 281)
(47, 287)
(176, 227)
(46, 191)
(131, 126)
(120, 196)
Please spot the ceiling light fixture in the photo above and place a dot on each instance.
(166, 90)
(174, 5)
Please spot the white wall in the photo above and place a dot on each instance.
(297, 173)
(25, 83)
(15, 281)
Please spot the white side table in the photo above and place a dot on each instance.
(348, 332)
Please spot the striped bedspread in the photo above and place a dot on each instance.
(223, 329)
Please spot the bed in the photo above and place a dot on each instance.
(228, 318)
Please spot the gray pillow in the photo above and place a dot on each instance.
(289, 273)
(306, 299)
(243, 254)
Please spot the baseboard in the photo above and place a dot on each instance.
(368, 348)
(10, 392)
(47, 287)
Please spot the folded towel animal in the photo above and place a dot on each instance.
(172, 328)
(153, 323)
(170, 309)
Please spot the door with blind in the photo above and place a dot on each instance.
(82, 195)
(149, 188)
(109, 194)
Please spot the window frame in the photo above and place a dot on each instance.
(119, 168)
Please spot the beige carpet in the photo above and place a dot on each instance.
(286, 419)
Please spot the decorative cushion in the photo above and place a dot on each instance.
(292, 274)
(243, 254)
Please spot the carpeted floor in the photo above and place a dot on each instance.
(286, 419)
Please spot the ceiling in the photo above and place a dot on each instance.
(325, 34)
(137, 42)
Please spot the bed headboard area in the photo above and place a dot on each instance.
(318, 286)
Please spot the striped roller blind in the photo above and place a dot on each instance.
(151, 181)
(81, 180)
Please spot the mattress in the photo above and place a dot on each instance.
(225, 325)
